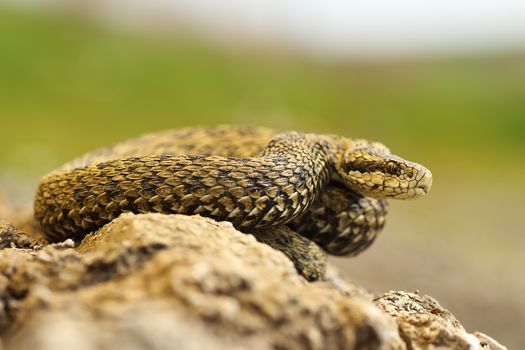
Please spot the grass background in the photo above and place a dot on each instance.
(68, 86)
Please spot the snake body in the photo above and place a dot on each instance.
(328, 188)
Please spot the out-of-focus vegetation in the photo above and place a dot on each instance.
(67, 87)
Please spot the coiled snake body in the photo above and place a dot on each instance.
(328, 188)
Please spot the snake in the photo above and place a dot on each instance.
(305, 194)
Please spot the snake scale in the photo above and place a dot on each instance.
(289, 189)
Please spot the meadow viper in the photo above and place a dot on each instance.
(327, 188)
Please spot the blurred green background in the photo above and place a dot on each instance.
(68, 86)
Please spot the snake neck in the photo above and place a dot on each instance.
(322, 155)
(313, 158)
(334, 148)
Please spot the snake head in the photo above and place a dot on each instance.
(371, 170)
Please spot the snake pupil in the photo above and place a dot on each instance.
(391, 168)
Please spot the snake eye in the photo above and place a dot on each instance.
(391, 168)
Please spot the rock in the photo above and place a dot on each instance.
(487, 341)
(12, 237)
(424, 324)
(156, 281)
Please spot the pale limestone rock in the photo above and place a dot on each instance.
(156, 281)
(424, 324)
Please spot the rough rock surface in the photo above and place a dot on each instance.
(12, 237)
(424, 324)
(157, 281)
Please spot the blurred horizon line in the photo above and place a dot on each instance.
(333, 33)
